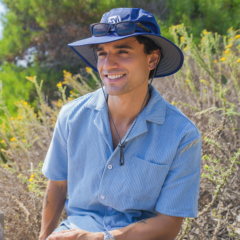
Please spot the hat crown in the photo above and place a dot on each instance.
(132, 14)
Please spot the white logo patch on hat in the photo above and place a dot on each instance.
(114, 19)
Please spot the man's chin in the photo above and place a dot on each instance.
(115, 91)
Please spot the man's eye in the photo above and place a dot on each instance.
(122, 51)
(101, 54)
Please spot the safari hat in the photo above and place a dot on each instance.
(171, 56)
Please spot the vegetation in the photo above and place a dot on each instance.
(33, 27)
(197, 15)
(31, 30)
(206, 89)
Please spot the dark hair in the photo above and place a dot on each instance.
(149, 47)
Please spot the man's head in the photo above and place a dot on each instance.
(126, 64)
(123, 23)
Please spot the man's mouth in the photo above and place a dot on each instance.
(115, 76)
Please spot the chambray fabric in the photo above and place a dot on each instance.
(161, 171)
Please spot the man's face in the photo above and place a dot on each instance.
(123, 65)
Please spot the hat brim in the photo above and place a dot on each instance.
(171, 62)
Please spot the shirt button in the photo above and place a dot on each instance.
(109, 166)
(102, 197)
(108, 227)
(109, 208)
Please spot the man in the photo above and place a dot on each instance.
(125, 163)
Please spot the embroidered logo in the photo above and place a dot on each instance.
(114, 19)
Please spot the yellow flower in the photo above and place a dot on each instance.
(229, 46)
(88, 69)
(222, 59)
(25, 103)
(237, 36)
(6, 166)
(173, 103)
(2, 141)
(11, 118)
(227, 51)
(24, 140)
(71, 91)
(29, 105)
(205, 32)
(29, 78)
(64, 71)
(13, 139)
(238, 61)
(66, 75)
(59, 85)
(181, 39)
(32, 176)
(19, 175)
(31, 179)
(20, 117)
(215, 61)
(230, 29)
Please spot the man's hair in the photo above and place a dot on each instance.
(149, 47)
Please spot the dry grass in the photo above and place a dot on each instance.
(206, 90)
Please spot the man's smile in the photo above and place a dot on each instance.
(114, 77)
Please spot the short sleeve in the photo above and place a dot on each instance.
(179, 194)
(55, 166)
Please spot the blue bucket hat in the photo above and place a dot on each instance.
(172, 57)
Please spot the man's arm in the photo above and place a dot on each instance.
(53, 204)
(161, 227)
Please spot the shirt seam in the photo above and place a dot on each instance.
(78, 99)
(177, 111)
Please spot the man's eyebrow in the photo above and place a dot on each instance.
(125, 46)
(99, 49)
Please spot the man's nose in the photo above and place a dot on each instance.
(110, 62)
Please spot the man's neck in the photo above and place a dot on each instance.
(125, 108)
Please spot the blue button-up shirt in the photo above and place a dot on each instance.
(161, 170)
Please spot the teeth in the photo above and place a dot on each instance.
(114, 76)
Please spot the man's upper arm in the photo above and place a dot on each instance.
(56, 161)
(170, 224)
(179, 194)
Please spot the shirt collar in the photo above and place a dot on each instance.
(155, 110)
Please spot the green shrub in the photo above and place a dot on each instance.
(197, 15)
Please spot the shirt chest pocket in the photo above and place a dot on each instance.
(145, 179)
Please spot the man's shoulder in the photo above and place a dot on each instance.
(72, 108)
(180, 123)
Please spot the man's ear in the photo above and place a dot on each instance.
(154, 58)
